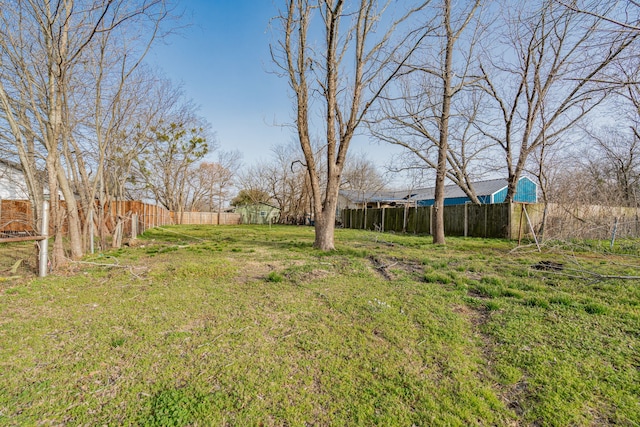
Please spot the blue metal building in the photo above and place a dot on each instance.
(488, 192)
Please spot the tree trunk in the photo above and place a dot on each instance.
(73, 216)
(325, 229)
(117, 234)
(438, 220)
(443, 142)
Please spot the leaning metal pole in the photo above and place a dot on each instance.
(44, 243)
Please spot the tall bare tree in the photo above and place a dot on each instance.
(547, 70)
(423, 114)
(624, 14)
(168, 163)
(343, 74)
(212, 181)
(362, 175)
(45, 46)
(282, 179)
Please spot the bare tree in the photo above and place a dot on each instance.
(212, 181)
(624, 14)
(545, 77)
(287, 183)
(613, 161)
(428, 118)
(283, 180)
(44, 48)
(250, 196)
(344, 75)
(169, 161)
(362, 175)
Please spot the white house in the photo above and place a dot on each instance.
(12, 183)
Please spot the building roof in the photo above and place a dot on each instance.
(482, 188)
(256, 204)
(10, 164)
(380, 196)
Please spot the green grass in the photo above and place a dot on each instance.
(250, 326)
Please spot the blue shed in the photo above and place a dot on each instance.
(488, 192)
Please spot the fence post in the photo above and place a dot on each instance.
(535, 238)
(44, 243)
(382, 227)
(134, 226)
(466, 219)
(613, 233)
(364, 217)
(510, 221)
(405, 218)
(485, 220)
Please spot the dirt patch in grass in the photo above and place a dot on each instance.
(381, 268)
(386, 267)
(511, 394)
(251, 271)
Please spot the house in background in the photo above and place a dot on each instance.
(12, 183)
(488, 192)
(258, 213)
(353, 199)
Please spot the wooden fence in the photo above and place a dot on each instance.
(16, 216)
(208, 218)
(460, 220)
(505, 220)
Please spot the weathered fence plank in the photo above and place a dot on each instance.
(459, 220)
(16, 216)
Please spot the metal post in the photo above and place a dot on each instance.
(44, 243)
(613, 233)
(405, 218)
(535, 238)
(91, 230)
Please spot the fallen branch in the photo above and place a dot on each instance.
(384, 267)
(99, 264)
(586, 274)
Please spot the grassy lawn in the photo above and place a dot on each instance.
(247, 326)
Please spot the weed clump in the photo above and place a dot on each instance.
(274, 277)
(595, 308)
(174, 408)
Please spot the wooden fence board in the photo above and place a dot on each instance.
(454, 218)
(475, 220)
(16, 216)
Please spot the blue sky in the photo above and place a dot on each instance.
(223, 61)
